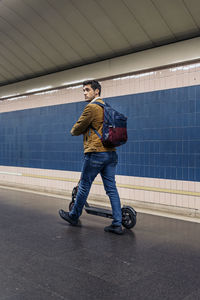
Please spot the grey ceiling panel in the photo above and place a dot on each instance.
(36, 33)
(63, 49)
(9, 65)
(177, 16)
(150, 20)
(10, 51)
(63, 29)
(6, 70)
(39, 37)
(22, 50)
(81, 25)
(127, 26)
(101, 22)
(193, 8)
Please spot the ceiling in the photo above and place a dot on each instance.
(39, 37)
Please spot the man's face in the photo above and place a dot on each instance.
(89, 93)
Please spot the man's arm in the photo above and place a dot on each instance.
(83, 122)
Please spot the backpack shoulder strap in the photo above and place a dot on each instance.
(102, 105)
(98, 134)
(98, 103)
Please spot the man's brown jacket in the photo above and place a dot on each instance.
(92, 117)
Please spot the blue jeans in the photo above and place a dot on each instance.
(105, 164)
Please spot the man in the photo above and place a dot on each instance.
(97, 159)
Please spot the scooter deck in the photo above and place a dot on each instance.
(97, 211)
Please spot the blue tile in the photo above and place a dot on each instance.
(152, 172)
(198, 105)
(147, 171)
(161, 172)
(197, 119)
(142, 171)
(192, 93)
(191, 174)
(197, 160)
(197, 174)
(185, 173)
(194, 147)
(179, 173)
(197, 87)
(169, 172)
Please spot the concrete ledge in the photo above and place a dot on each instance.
(181, 213)
(153, 208)
(36, 189)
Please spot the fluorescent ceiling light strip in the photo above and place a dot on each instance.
(11, 173)
(47, 92)
(6, 96)
(186, 67)
(74, 87)
(135, 76)
(16, 98)
(39, 89)
(75, 82)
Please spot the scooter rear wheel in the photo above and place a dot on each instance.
(74, 192)
(128, 217)
(71, 204)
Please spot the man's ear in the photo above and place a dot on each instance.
(96, 92)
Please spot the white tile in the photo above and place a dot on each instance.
(185, 201)
(162, 198)
(191, 186)
(173, 201)
(197, 186)
(197, 204)
(192, 202)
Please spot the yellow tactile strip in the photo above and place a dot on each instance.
(127, 186)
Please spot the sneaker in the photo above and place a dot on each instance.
(65, 215)
(114, 229)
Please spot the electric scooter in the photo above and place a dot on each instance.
(128, 213)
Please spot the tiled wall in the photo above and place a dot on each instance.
(40, 138)
(163, 132)
(159, 164)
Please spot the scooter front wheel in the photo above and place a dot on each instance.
(128, 217)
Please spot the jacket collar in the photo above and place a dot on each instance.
(97, 98)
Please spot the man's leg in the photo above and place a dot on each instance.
(108, 177)
(91, 167)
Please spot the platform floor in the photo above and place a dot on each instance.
(42, 257)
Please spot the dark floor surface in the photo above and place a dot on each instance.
(42, 257)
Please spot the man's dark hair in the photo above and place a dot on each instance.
(94, 85)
